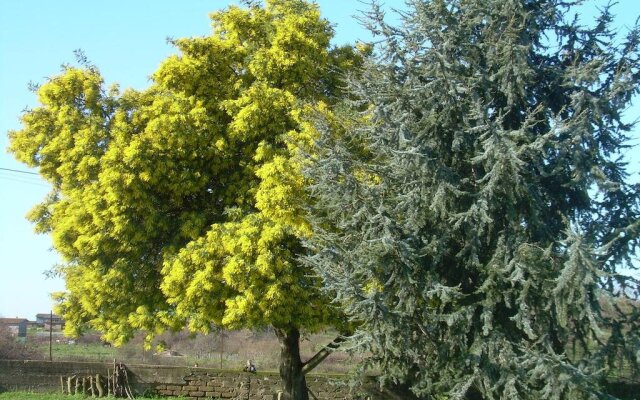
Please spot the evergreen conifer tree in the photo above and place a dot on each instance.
(474, 212)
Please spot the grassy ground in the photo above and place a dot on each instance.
(48, 396)
(82, 351)
(227, 350)
(36, 396)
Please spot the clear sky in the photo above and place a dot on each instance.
(126, 40)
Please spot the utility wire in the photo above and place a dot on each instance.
(18, 180)
(18, 171)
(27, 177)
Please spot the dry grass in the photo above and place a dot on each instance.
(225, 349)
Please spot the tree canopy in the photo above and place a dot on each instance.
(473, 208)
(183, 203)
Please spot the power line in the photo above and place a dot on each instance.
(18, 171)
(35, 178)
(33, 183)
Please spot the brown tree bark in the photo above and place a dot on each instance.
(294, 384)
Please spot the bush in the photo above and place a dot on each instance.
(11, 348)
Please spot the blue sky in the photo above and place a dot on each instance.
(126, 40)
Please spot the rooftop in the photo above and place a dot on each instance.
(11, 321)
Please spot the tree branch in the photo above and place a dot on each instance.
(322, 354)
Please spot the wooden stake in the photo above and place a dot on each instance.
(51, 336)
(127, 387)
(99, 385)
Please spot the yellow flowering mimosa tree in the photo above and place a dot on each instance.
(183, 204)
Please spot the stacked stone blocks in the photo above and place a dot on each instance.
(227, 385)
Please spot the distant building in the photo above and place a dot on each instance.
(48, 321)
(33, 324)
(17, 326)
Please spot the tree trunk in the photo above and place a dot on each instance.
(294, 385)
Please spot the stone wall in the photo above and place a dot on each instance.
(42, 376)
(230, 385)
(194, 383)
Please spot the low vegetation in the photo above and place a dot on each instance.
(47, 396)
(10, 348)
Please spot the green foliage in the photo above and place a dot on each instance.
(473, 210)
(183, 203)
